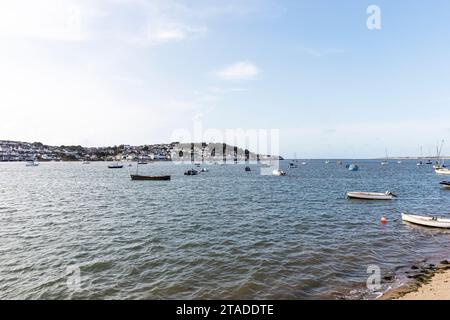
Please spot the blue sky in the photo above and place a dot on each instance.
(132, 71)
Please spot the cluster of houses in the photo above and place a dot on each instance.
(25, 151)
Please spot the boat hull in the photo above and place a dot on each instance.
(445, 184)
(115, 167)
(369, 196)
(442, 171)
(426, 221)
(153, 178)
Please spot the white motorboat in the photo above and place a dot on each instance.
(445, 171)
(371, 195)
(427, 221)
(32, 163)
(278, 173)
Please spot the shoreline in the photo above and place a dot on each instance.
(426, 283)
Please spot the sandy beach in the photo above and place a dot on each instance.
(426, 286)
(437, 289)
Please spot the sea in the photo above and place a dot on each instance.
(82, 231)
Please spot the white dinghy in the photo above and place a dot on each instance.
(442, 171)
(371, 195)
(278, 173)
(434, 222)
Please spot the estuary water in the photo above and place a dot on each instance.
(75, 231)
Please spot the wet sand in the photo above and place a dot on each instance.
(432, 283)
(437, 289)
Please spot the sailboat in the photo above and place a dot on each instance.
(385, 162)
(420, 163)
(439, 164)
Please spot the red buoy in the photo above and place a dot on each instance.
(383, 220)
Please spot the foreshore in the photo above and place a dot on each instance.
(431, 283)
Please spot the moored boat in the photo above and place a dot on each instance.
(445, 171)
(371, 195)
(353, 167)
(248, 169)
(115, 166)
(278, 172)
(139, 177)
(32, 163)
(428, 221)
(445, 184)
(293, 165)
(191, 172)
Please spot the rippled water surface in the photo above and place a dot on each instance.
(225, 234)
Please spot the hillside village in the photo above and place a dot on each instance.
(26, 151)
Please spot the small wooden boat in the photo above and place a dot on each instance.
(115, 166)
(446, 184)
(445, 171)
(371, 195)
(139, 177)
(278, 173)
(427, 221)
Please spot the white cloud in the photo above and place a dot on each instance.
(244, 70)
(167, 31)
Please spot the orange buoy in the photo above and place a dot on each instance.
(383, 220)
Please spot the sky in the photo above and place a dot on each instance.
(107, 72)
